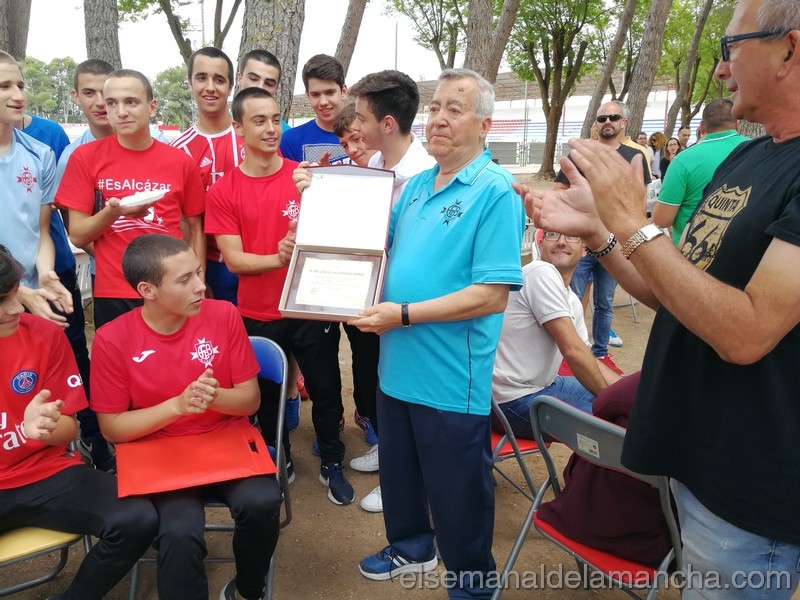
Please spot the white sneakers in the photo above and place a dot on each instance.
(373, 502)
(367, 463)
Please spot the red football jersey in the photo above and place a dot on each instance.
(37, 357)
(259, 210)
(106, 168)
(134, 367)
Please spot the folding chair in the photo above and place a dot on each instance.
(19, 545)
(505, 446)
(600, 443)
(274, 366)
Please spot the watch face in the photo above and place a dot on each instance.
(650, 231)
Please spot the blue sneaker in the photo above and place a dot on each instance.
(315, 443)
(387, 564)
(614, 340)
(292, 413)
(366, 426)
(339, 489)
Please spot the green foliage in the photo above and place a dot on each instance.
(439, 25)
(173, 97)
(48, 87)
(678, 38)
(555, 43)
(139, 10)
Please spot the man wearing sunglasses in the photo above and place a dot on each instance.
(612, 117)
(720, 370)
(543, 324)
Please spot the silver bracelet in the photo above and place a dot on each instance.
(604, 249)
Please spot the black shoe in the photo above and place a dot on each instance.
(100, 454)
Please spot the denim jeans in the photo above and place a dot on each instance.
(518, 412)
(721, 561)
(604, 287)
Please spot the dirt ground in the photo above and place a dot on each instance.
(318, 552)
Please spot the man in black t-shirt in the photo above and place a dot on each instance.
(717, 407)
(612, 118)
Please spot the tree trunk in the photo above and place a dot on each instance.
(220, 30)
(15, 16)
(681, 98)
(352, 24)
(750, 129)
(644, 73)
(553, 120)
(485, 45)
(500, 38)
(479, 36)
(101, 22)
(176, 27)
(608, 68)
(276, 25)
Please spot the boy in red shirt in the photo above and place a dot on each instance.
(250, 211)
(102, 172)
(42, 483)
(209, 385)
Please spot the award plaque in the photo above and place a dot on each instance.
(339, 256)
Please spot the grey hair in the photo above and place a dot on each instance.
(623, 108)
(779, 15)
(484, 102)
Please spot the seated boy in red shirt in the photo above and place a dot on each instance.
(183, 365)
(42, 483)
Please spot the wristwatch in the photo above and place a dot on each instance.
(644, 234)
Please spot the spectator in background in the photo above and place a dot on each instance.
(684, 134)
(641, 139)
(670, 152)
(657, 143)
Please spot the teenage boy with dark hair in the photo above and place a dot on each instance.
(213, 146)
(210, 386)
(92, 443)
(251, 211)
(42, 483)
(99, 174)
(315, 141)
(350, 139)
(260, 68)
(386, 105)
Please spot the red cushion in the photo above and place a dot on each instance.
(507, 450)
(628, 572)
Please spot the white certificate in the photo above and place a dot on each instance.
(336, 283)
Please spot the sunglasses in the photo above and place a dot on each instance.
(612, 118)
(553, 236)
(727, 40)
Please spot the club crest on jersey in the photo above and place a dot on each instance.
(452, 212)
(204, 351)
(292, 210)
(27, 178)
(23, 382)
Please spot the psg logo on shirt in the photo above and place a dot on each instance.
(23, 382)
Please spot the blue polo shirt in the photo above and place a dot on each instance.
(468, 232)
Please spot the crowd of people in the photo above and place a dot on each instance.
(192, 243)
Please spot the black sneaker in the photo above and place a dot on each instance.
(339, 489)
(99, 451)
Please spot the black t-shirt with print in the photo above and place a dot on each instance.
(729, 432)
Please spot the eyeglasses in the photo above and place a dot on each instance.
(554, 236)
(612, 118)
(727, 40)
